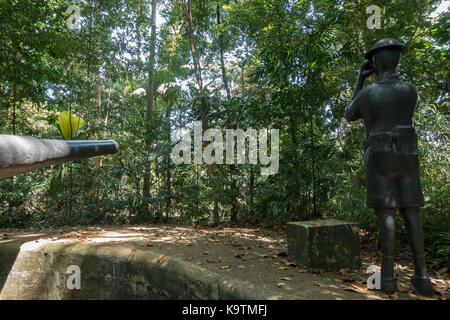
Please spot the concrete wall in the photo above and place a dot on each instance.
(117, 271)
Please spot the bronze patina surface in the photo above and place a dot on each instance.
(391, 157)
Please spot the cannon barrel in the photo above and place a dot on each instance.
(20, 154)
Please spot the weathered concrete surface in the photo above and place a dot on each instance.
(324, 244)
(9, 249)
(117, 271)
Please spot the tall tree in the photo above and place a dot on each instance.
(232, 168)
(202, 105)
(150, 105)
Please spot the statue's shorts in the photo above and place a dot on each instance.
(393, 181)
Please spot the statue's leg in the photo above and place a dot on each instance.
(386, 221)
(419, 280)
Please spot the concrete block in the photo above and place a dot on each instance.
(324, 244)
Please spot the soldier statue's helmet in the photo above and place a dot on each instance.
(385, 43)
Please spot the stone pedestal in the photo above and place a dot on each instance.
(324, 244)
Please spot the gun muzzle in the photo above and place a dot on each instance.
(20, 154)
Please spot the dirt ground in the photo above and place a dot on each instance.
(255, 254)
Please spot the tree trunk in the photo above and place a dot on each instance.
(232, 167)
(105, 122)
(150, 107)
(202, 107)
(92, 16)
(168, 164)
(14, 90)
(252, 191)
(222, 59)
(313, 178)
(98, 112)
(98, 109)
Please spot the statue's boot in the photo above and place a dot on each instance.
(388, 283)
(387, 223)
(420, 280)
(422, 285)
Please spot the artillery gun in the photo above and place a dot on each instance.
(21, 154)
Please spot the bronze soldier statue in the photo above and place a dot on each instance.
(391, 157)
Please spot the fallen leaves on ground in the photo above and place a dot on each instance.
(284, 286)
(285, 279)
(340, 280)
(238, 256)
(318, 271)
(94, 229)
(358, 287)
(419, 297)
(288, 263)
(343, 272)
(355, 288)
(319, 284)
(268, 256)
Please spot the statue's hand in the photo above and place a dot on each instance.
(366, 69)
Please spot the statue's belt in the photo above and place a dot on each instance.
(400, 141)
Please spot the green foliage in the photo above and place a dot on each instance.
(290, 65)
